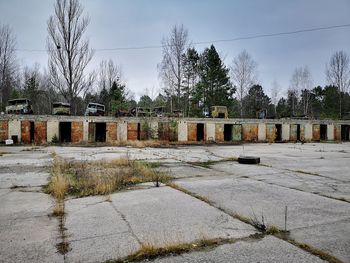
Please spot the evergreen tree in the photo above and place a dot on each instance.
(214, 86)
(118, 97)
(255, 101)
(145, 102)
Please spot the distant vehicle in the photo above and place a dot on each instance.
(19, 106)
(219, 112)
(60, 108)
(95, 109)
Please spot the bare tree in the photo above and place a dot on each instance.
(244, 75)
(301, 83)
(171, 67)
(69, 53)
(275, 92)
(109, 72)
(338, 74)
(8, 65)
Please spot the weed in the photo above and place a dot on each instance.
(58, 210)
(84, 178)
(63, 248)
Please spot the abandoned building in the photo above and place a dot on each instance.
(42, 129)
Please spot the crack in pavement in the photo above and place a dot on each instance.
(123, 217)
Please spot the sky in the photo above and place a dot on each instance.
(130, 23)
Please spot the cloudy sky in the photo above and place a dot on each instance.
(130, 23)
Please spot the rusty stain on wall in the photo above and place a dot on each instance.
(219, 132)
(111, 135)
(250, 132)
(316, 132)
(25, 131)
(270, 132)
(40, 132)
(132, 131)
(192, 132)
(3, 130)
(337, 132)
(77, 131)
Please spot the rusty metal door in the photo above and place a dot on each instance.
(316, 132)
(237, 132)
(92, 131)
(270, 132)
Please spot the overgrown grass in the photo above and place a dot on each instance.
(84, 178)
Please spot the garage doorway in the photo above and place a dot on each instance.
(278, 132)
(200, 132)
(32, 131)
(100, 134)
(345, 132)
(323, 132)
(228, 132)
(65, 132)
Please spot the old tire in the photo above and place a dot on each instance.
(248, 159)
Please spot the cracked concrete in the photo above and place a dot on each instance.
(311, 179)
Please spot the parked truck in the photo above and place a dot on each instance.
(19, 106)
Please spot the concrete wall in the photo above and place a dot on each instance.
(14, 129)
(86, 131)
(182, 131)
(308, 132)
(330, 132)
(52, 129)
(285, 132)
(262, 132)
(210, 131)
(122, 131)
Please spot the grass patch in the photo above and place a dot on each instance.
(84, 178)
(149, 251)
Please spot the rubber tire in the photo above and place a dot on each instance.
(248, 160)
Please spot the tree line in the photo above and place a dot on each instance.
(191, 81)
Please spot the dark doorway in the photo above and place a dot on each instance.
(65, 131)
(345, 132)
(228, 132)
(14, 139)
(100, 132)
(200, 132)
(139, 131)
(323, 132)
(32, 131)
(278, 132)
(298, 132)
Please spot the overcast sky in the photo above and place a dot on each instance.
(128, 23)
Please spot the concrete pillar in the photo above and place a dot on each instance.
(122, 131)
(262, 132)
(330, 132)
(154, 129)
(210, 131)
(85, 131)
(285, 132)
(182, 131)
(308, 132)
(14, 129)
(52, 129)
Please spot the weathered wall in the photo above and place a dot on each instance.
(192, 132)
(285, 132)
(270, 132)
(77, 131)
(52, 129)
(308, 132)
(182, 131)
(210, 132)
(3, 130)
(219, 132)
(250, 132)
(316, 135)
(154, 129)
(25, 132)
(86, 131)
(337, 132)
(91, 131)
(132, 131)
(263, 131)
(122, 130)
(111, 132)
(330, 132)
(40, 132)
(14, 129)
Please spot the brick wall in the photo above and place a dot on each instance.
(3, 130)
(25, 131)
(40, 132)
(112, 131)
(77, 132)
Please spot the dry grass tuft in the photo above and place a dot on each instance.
(58, 210)
(84, 178)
